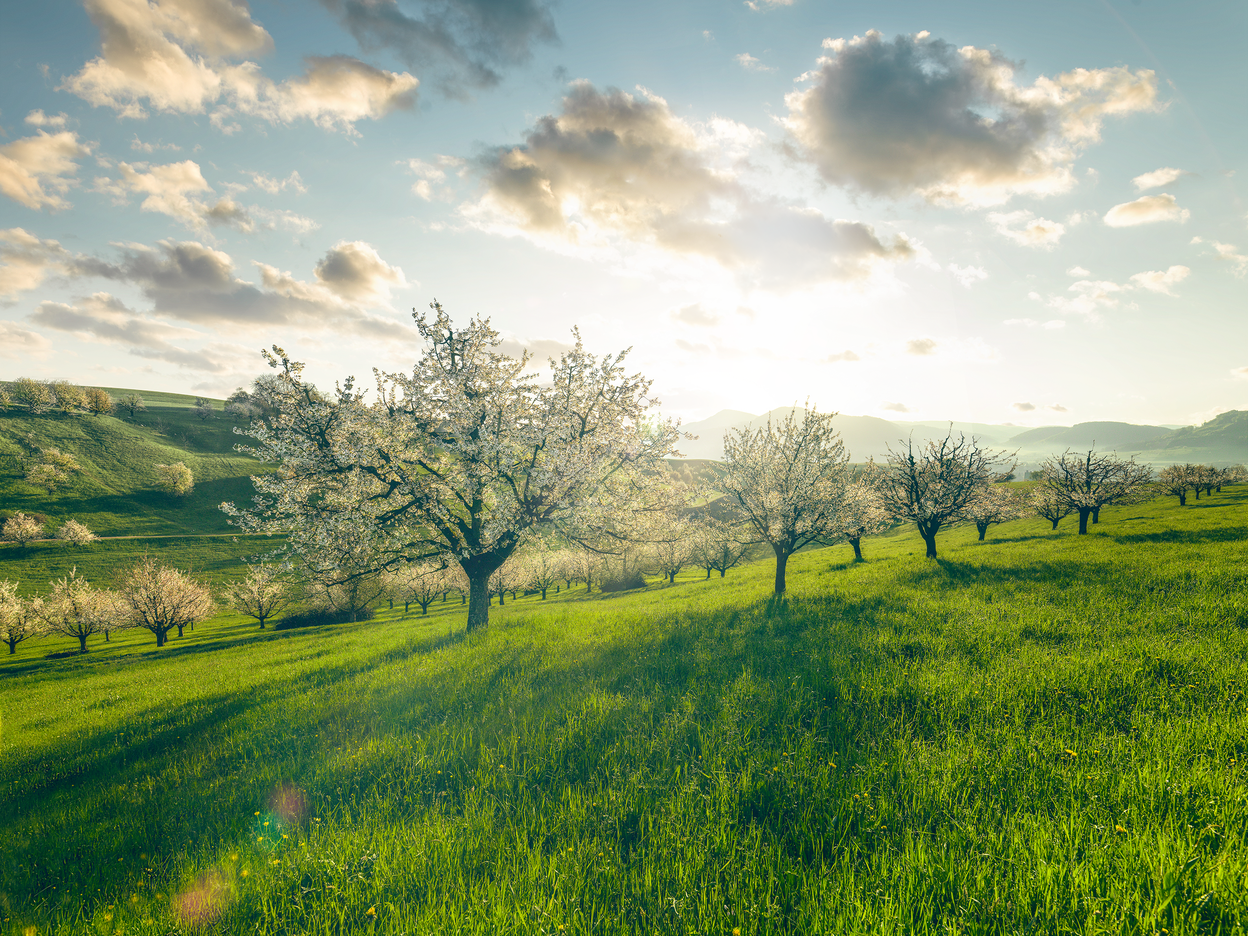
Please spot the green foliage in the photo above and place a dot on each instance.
(1041, 734)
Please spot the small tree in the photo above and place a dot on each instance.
(159, 599)
(995, 503)
(542, 566)
(35, 395)
(69, 397)
(504, 579)
(1177, 480)
(51, 469)
(264, 593)
(421, 583)
(74, 609)
(19, 620)
(132, 403)
(718, 545)
(788, 481)
(672, 546)
(22, 528)
(1086, 483)
(175, 479)
(863, 513)
(98, 401)
(203, 408)
(75, 533)
(1045, 502)
(934, 486)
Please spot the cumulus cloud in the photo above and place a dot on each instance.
(1241, 372)
(695, 315)
(767, 4)
(273, 218)
(917, 115)
(1157, 178)
(169, 190)
(430, 176)
(354, 271)
(37, 118)
(180, 56)
(36, 171)
(1023, 227)
(1024, 407)
(17, 343)
(1056, 407)
(189, 281)
(26, 260)
(750, 63)
(1228, 253)
(1161, 281)
(616, 170)
(896, 407)
(968, 276)
(921, 346)
(462, 43)
(273, 186)
(1147, 209)
(1078, 271)
(847, 356)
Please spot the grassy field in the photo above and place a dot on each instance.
(116, 494)
(1042, 733)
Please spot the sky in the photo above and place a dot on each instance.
(1003, 213)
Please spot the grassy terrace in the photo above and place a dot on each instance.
(1041, 733)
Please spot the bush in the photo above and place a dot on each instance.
(99, 402)
(624, 582)
(320, 617)
(175, 479)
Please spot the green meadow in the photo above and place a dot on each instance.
(1041, 733)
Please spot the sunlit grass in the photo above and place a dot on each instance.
(1040, 733)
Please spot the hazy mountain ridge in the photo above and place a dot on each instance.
(1221, 440)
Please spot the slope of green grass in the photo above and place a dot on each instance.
(116, 494)
(1041, 733)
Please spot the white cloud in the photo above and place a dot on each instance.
(1057, 408)
(617, 175)
(1078, 271)
(169, 189)
(1157, 178)
(180, 56)
(354, 271)
(140, 147)
(1241, 372)
(750, 63)
(1229, 253)
(758, 5)
(1161, 281)
(896, 407)
(695, 315)
(36, 171)
(917, 115)
(1024, 407)
(26, 260)
(273, 218)
(17, 343)
(921, 346)
(968, 276)
(846, 356)
(1023, 227)
(1147, 209)
(37, 118)
(273, 186)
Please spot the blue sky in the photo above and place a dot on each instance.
(991, 212)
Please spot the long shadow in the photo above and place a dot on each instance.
(1219, 535)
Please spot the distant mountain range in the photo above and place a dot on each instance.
(1222, 440)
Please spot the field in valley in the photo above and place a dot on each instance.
(1042, 732)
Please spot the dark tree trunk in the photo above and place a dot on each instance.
(106, 634)
(462, 598)
(856, 542)
(1056, 521)
(1084, 513)
(1196, 491)
(1182, 498)
(671, 577)
(478, 600)
(1096, 514)
(424, 607)
(12, 646)
(262, 623)
(708, 572)
(722, 572)
(544, 587)
(983, 529)
(782, 560)
(500, 599)
(391, 600)
(928, 531)
(160, 638)
(180, 626)
(82, 643)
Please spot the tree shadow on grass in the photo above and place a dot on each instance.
(1219, 535)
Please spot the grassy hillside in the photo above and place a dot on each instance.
(116, 494)
(1042, 733)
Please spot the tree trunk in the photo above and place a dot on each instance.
(160, 638)
(424, 608)
(478, 600)
(180, 626)
(1084, 513)
(262, 623)
(1196, 491)
(856, 542)
(1182, 498)
(983, 529)
(928, 531)
(722, 572)
(782, 560)
(1056, 521)
(544, 592)
(500, 599)
(1096, 514)
(106, 637)
(12, 646)
(708, 572)
(82, 643)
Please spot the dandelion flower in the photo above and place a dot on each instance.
(371, 911)
(1071, 753)
(1119, 828)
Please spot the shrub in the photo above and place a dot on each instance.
(76, 533)
(203, 408)
(21, 528)
(320, 617)
(69, 397)
(175, 479)
(35, 395)
(98, 401)
(624, 582)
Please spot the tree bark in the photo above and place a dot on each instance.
(1096, 514)
(1182, 498)
(1084, 513)
(478, 600)
(782, 560)
(160, 638)
(1056, 522)
(180, 626)
(856, 542)
(983, 529)
(82, 643)
(12, 646)
(722, 572)
(928, 531)
(544, 593)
